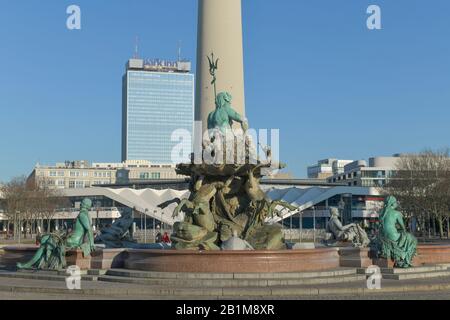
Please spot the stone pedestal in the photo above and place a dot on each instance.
(383, 263)
(75, 257)
(426, 255)
(108, 258)
(355, 257)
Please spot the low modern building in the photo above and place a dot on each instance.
(375, 173)
(313, 199)
(82, 174)
(327, 168)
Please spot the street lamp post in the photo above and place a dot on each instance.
(314, 224)
(145, 226)
(154, 230)
(20, 228)
(290, 230)
(300, 225)
(96, 220)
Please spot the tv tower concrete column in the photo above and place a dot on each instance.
(220, 32)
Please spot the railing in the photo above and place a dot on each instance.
(95, 209)
(141, 236)
(306, 235)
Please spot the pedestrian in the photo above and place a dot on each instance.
(38, 239)
(158, 237)
(166, 238)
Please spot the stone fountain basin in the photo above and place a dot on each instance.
(249, 261)
(252, 261)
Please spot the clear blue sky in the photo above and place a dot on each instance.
(313, 69)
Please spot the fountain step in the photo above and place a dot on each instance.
(49, 272)
(233, 283)
(243, 276)
(43, 275)
(97, 272)
(419, 275)
(431, 268)
(414, 269)
(197, 279)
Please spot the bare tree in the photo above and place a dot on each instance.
(26, 203)
(14, 194)
(421, 183)
(47, 201)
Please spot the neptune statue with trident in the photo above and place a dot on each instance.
(223, 117)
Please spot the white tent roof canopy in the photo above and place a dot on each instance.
(146, 201)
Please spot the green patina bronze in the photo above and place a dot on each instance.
(82, 236)
(213, 66)
(222, 118)
(393, 240)
(226, 200)
(52, 251)
(51, 254)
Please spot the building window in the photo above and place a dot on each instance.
(79, 184)
(71, 184)
(156, 175)
(52, 174)
(144, 175)
(74, 173)
(61, 174)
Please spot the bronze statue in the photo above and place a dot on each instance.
(120, 234)
(349, 233)
(226, 201)
(393, 239)
(52, 251)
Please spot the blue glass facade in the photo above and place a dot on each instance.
(155, 104)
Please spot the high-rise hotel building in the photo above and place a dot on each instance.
(158, 98)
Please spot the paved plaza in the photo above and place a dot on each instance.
(32, 289)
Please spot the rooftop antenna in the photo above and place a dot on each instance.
(136, 48)
(179, 50)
